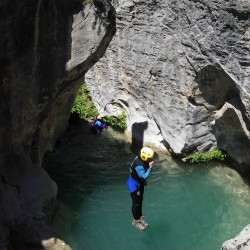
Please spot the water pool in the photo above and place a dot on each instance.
(186, 206)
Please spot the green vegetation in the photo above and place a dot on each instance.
(86, 110)
(171, 152)
(91, 1)
(207, 156)
(83, 105)
(117, 122)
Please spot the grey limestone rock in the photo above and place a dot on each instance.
(240, 242)
(174, 65)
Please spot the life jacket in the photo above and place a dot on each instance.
(138, 162)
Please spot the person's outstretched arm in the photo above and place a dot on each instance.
(141, 172)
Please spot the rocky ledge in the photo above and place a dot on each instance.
(240, 242)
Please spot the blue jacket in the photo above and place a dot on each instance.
(139, 172)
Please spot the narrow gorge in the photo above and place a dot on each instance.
(179, 69)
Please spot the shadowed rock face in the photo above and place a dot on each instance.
(177, 65)
(46, 47)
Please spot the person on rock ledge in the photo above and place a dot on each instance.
(139, 172)
(98, 125)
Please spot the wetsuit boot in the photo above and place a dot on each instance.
(138, 225)
(143, 222)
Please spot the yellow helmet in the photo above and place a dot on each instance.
(146, 153)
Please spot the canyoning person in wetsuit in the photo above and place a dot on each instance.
(98, 125)
(139, 172)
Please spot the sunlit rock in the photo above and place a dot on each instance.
(241, 241)
(55, 244)
(173, 65)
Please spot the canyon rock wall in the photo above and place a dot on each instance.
(46, 47)
(180, 69)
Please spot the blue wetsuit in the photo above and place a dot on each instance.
(97, 126)
(134, 184)
(139, 172)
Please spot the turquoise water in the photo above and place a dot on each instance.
(186, 206)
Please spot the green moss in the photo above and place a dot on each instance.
(171, 152)
(207, 156)
(117, 122)
(91, 1)
(83, 105)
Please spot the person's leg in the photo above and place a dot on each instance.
(136, 211)
(140, 200)
(136, 204)
(145, 224)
